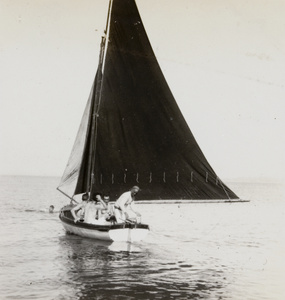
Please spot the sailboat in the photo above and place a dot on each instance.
(133, 133)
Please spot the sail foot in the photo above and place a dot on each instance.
(164, 185)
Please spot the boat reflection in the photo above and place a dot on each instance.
(106, 270)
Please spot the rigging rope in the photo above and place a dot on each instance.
(224, 188)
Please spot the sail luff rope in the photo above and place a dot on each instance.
(89, 166)
(95, 117)
(224, 188)
(107, 31)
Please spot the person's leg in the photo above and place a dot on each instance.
(120, 216)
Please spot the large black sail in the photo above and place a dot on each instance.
(142, 137)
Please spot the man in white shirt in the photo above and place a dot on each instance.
(124, 206)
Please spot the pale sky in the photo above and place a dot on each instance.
(224, 61)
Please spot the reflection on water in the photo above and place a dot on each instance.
(196, 251)
(105, 270)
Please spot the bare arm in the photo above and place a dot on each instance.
(103, 203)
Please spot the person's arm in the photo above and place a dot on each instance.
(133, 210)
(122, 205)
(103, 203)
(110, 209)
(128, 200)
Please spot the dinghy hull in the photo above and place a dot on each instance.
(124, 232)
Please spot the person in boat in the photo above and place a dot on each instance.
(93, 210)
(79, 210)
(123, 207)
(109, 213)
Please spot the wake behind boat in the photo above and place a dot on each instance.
(133, 132)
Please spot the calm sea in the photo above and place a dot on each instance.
(194, 251)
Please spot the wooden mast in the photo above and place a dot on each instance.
(96, 104)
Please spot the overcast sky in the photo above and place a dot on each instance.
(224, 61)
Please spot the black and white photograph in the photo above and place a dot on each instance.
(142, 149)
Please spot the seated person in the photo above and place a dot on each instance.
(108, 213)
(93, 210)
(79, 210)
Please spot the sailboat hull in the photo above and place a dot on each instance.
(115, 232)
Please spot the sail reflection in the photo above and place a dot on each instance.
(121, 270)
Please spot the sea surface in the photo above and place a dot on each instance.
(229, 251)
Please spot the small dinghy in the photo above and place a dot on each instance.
(123, 232)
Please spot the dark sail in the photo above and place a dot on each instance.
(142, 137)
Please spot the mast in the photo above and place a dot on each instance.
(96, 105)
